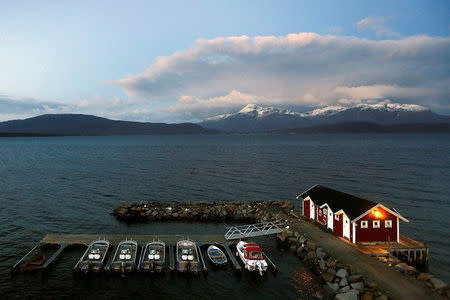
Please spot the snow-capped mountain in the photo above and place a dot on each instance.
(253, 118)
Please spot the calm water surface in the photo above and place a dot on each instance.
(71, 184)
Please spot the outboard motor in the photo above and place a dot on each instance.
(123, 269)
(258, 265)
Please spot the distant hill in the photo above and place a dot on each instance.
(253, 118)
(365, 127)
(78, 124)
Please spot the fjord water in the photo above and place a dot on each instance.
(71, 184)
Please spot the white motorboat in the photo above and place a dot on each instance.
(187, 257)
(124, 259)
(94, 257)
(153, 257)
(252, 257)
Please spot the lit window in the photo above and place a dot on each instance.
(336, 217)
(364, 224)
(376, 224)
(388, 224)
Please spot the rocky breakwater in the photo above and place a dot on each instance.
(340, 280)
(255, 212)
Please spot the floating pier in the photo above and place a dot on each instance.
(235, 263)
(202, 261)
(54, 256)
(171, 258)
(17, 264)
(270, 262)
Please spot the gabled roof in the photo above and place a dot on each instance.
(352, 206)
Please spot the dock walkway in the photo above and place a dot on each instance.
(86, 239)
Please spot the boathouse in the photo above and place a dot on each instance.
(351, 217)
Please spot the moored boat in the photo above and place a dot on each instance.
(216, 256)
(33, 264)
(124, 259)
(187, 257)
(252, 257)
(153, 257)
(94, 257)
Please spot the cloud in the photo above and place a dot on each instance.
(115, 108)
(377, 25)
(304, 69)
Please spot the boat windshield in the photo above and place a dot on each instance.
(255, 255)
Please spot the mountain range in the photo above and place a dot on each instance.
(363, 118)
(253, 118)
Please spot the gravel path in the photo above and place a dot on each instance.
(396, 285)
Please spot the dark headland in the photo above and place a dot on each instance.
(78, 124)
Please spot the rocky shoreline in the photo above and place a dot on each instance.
(341, 282)
(258, 211)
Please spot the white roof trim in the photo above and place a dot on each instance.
(341, 212)
(307, 191)
(385, 208)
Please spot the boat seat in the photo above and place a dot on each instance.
(96, 256)
(184, 257)
(128, 256)
(190, 257)
(122, 256)
(91, 256)
(157, 256)
(151, 256)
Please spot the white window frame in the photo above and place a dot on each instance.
(336, 217)
(388, 224)
(376, 224)
(364, 224)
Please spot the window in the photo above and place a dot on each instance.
(376, 224)
(364, 224)
(336, 217)
(388, 224)
(324, 211)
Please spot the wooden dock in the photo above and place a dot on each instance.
(86, 239)
(412, 251)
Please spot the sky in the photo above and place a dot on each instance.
(176, 61)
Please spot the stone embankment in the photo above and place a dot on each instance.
(255, 212)
(340, 280)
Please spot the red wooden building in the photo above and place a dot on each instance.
(351, 217)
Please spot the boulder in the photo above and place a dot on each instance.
(302, 239)
(424, 276)
(332, 271)
(293, 248)
(320, 253)
(355, 278)
(437, 283)
(371, 284)
(402, 267)
(367, 296)
(331, 288)
(282, 236)
(322, 265)
(411, 270)
(382, 297)
(350, 295)
(311, 245)
(328, 277)
(342, 273)
(287, 205)
(311, 255)
(292, 240)
(358, 286)
(343, 282)
(344, 289)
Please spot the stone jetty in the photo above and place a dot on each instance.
(254, 212)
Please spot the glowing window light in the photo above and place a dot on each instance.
(377, 213)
